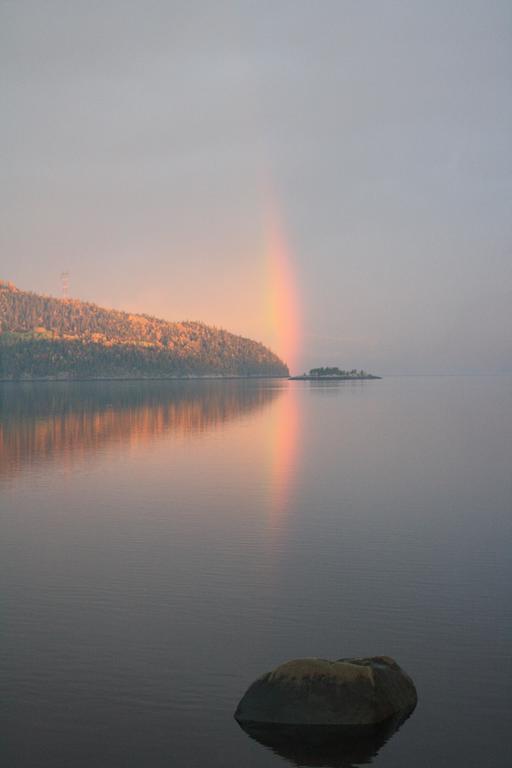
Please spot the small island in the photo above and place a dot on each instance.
(334, 373)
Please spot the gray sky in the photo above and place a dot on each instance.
(143, 143)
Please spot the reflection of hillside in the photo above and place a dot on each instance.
(58, 420)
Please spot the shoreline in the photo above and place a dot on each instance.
(199, 377)
(369, 377)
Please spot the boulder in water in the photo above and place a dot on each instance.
(360, 691)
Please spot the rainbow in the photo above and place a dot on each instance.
(282, 300)
(282, 312)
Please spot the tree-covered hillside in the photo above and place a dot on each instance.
(44, 337)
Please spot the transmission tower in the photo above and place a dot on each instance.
(64, 282)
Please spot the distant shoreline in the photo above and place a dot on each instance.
(334, 378)
(195, 377)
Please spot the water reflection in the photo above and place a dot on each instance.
(284, 447)
(44, 421)
(324, 746)
(143, 589)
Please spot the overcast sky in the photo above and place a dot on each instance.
(143, 142)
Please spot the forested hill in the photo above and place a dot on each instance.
(44, 337)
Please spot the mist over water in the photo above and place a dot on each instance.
(164, 543)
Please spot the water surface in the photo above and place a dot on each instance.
(164, 543)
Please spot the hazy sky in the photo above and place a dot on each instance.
(144, 144)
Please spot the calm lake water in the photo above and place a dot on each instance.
(162, 544)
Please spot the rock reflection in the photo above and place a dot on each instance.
(324, 746)
(42, 421)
